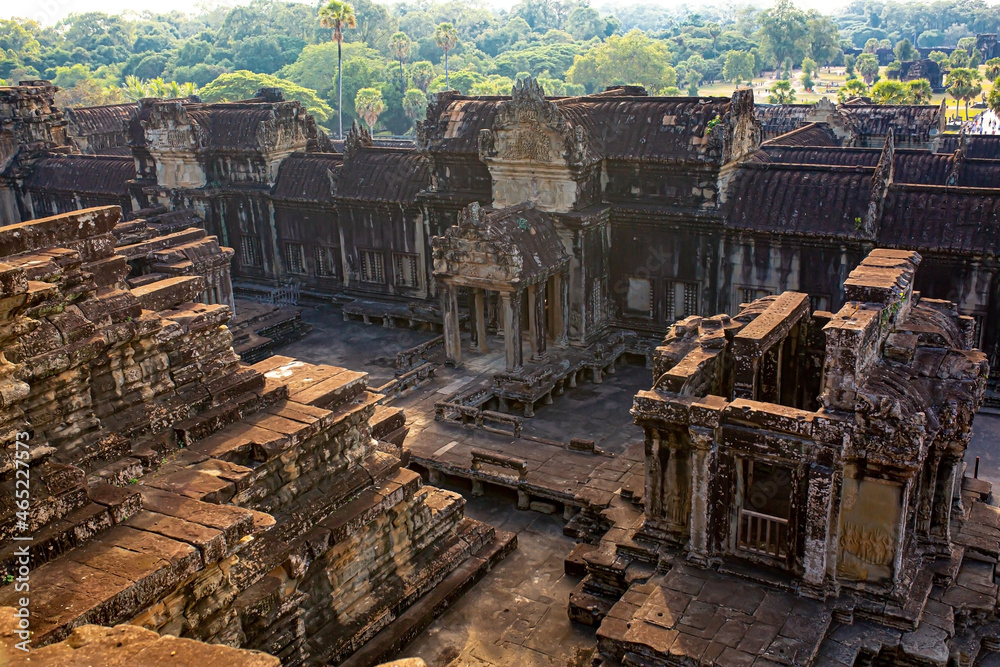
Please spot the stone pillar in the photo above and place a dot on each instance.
(480, 315)
(449, 317)
(511, 306)
(769, 375)
(702, 455)
(944, 490)
(562, 310)
(817, 525)
(536, 320)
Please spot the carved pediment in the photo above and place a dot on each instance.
(530, 128)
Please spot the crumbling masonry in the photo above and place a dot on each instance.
(180, 490)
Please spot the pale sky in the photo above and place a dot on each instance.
(51, 11)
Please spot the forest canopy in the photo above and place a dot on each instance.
(570, 46)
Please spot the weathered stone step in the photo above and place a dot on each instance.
(320, 386)
(110, 506)
(169, 293)
(391, 639)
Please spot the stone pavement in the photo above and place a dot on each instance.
(690, 616)
(516, 616)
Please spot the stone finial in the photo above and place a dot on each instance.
(471, 215)
(527, 90)
(357, 137)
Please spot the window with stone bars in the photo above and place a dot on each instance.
(405, 269)
(250, 251)
(372, 267)
(691, 299)
(669, 300)
(327, 259)
(749, 294)
(295, 258)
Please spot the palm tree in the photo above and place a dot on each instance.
(422, 73)
(338, 15)
(993, 69)
(852, 88)
(369, 104)
(446, 38)
(400, 45)
(973, 91)
(781, 93)
(414, 103)
(920, 91)
(960, 84)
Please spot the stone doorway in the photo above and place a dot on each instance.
(763, 511)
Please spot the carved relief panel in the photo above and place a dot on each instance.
(870, 513)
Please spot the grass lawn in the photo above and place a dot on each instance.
(835, 76)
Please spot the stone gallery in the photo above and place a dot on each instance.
(810, 292)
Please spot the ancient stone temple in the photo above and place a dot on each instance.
(802, 501)
(178, 489)
(667, 207)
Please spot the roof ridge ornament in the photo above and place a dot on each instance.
(357, 137)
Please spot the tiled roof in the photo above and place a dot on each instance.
(922, 168)
(618, 126)
(85, 174)
(799, 199)
(916, 122)
(645, 128)
(778, 119)
(832, 156)
(811, 134)
(305, 176)
(976, 145)
(383, 174)
(108, 119)
(946, 219)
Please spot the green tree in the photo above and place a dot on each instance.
(959, 58)
(823, 38)
(905, 51)
(993, 99)
(446, 37)
(808, 66)
(781, 93)
(871, 46)
(853, 88)
(632, 58)
(920, 91)
(368, 104)
(867, 66)
(692, 79)
(808, 82)
(940, 57)
(585, 23)
(338, 16)
(890, 91)
(992, 69)
(849, 66)
(400, 45)
(414, 103)
(782, 29)
(422, 73)
(242, 85)
(963, 84)
(739, 66)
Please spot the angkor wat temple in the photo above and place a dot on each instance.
(813, 287)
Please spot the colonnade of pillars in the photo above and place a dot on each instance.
(548, 312)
